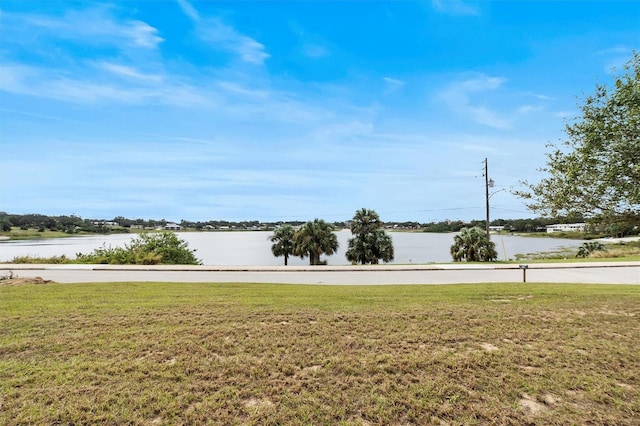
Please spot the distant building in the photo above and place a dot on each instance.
(496, 228)
(172, 227)
(106, 223)
(567, 227)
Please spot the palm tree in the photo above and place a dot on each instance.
(313, 239)
(472, 245)
(370, 248)
(365, 221)
(282, 240)
(371, 243)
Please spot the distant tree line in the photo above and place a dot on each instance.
(70, 224)
(510, 225)
(74, 224)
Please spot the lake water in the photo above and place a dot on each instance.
(254, 248)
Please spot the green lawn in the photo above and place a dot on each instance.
(167, 353)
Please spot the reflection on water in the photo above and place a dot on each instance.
(254, 248)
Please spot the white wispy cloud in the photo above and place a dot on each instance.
(314, 51)
(69, 76)
(477, 147)
(393, 84)
(142, 34)
(544, 97)
(565, 115)
(128, 72)
(109, 82)
(55, 84)
(343, 131)
(459, 97)
(88, 91)
(189, 10)
(13, 78)
(238, 89)
(527, 109)
(96, 26)
(455, 7)
(225, 37)
(616, 50)
(484, 115)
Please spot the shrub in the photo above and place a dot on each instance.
(587, 248)
(145, 249)
(41, 260)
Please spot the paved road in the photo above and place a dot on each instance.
(604, 273)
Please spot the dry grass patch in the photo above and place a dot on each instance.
(153, 354)
(628, 250)
(12, 281)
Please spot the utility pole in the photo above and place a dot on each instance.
(487, 184)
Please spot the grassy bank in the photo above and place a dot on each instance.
(34, 234)
(37, 234)
(158, 353)
(623, 251)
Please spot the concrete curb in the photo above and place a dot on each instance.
(324, 268)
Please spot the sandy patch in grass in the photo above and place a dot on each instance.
(537, 406)
(18, 281)
(529, 404)
(512, 299)
(488, 347)
(259, 404)
(529, 368)
(313, 368)
(625, 385)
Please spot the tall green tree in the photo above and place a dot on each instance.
(472, 245)
(596, 171)
(282, 240)
(313, 239)
(370, 243)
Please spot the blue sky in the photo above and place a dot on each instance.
(291, 110)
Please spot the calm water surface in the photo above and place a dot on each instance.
(254, 248)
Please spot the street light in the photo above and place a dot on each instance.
(488, 184)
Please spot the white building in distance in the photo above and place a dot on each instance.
(567, 227)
